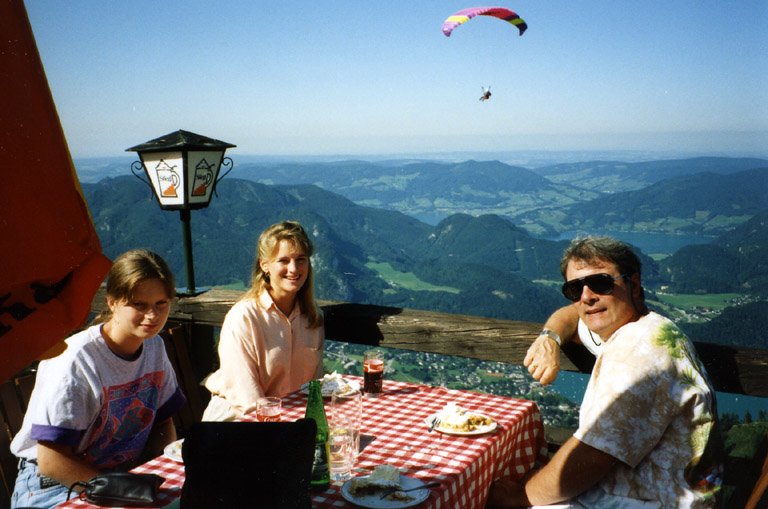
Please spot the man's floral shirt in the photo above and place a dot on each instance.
(650, 405)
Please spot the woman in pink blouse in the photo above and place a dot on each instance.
(272, 339)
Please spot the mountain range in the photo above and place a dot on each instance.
(349, 239)
(487, 264)
(545, 200)
(551, 199)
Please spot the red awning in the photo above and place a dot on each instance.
(51, 262)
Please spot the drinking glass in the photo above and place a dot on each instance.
(373, 372)
(346, 409)
(343, 452)
(268, 409)
(344, 441)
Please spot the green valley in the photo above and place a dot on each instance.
(406, 280)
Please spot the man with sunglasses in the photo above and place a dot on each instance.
(564, 325)
(646, 435)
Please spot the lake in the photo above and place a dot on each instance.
(572, 386)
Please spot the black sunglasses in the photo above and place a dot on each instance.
(601, 284)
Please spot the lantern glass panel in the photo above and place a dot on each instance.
(203, 170)
(166, 171)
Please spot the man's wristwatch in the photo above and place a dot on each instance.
(551, 334)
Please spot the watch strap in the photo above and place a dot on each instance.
(551, 334)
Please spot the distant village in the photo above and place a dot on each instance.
(699, 314)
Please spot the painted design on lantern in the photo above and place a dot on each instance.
(167, 179)
(203, 178)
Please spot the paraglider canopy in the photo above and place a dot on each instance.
(465, 15)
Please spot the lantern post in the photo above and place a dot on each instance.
(182, 169)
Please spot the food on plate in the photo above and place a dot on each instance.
(453, 417)
(400, 496)
(383, 477)
(173, 450)
(334, 381)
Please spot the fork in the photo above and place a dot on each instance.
(389, 491)
(435, 421)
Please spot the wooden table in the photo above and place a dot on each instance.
(394, 432)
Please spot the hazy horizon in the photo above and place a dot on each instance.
(526, 158)
(364, 79)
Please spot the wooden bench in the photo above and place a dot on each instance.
(177, 345)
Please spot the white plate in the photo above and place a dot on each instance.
(480, 430)
(374, 501)
(173, 450)
(353, 385)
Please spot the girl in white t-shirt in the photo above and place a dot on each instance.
(106, 403)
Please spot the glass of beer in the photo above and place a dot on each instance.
(373, 372)
(269, 409)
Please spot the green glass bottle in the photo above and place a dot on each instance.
(321, 471)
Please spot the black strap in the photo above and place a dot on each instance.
(74, 485)
(23, 462)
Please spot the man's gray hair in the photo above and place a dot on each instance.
(594, 248)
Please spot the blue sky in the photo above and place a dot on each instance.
(379, 77)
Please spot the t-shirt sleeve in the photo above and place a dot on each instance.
(170, 407)
(172, 398)
(65, 406)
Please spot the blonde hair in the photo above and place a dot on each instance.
(266, 247)
(128, 271)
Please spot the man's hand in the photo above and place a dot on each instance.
(543, 359)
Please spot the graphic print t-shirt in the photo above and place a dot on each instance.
(100, 404)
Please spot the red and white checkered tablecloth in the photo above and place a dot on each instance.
(394, 432)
